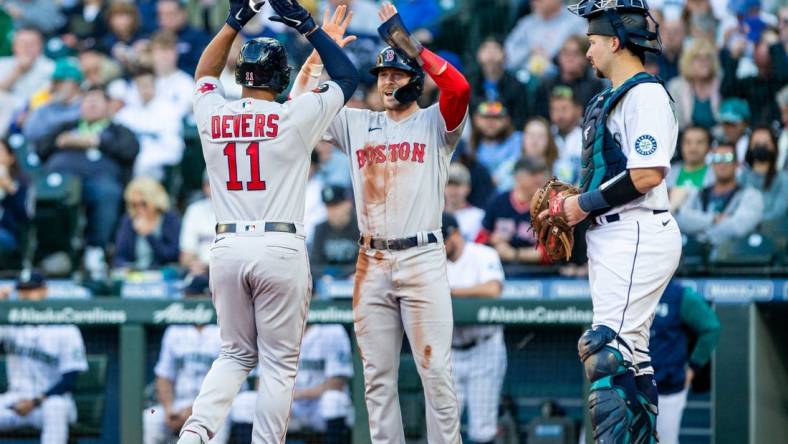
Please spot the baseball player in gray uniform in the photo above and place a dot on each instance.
(479, 353)
(634, 245)
(257, 156)
(42, 364)
(399, 164)
(187, 352)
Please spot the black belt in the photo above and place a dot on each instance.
(470, 345)
(394, 244)
(280, 227)
(615, 216)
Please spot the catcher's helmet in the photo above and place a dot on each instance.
(625, 19)
(391, 57)
(262, 63)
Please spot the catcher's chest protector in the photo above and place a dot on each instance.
(602, 158)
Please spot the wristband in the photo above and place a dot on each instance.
(314, 70)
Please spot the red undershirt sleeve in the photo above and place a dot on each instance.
(455, 89)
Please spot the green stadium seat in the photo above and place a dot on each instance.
(88, 396)
(56, 219)
(693, 252)
(754, 250)
(777, 232)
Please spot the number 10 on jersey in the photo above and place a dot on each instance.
(253, 152)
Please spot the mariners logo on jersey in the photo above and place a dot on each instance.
(646, 145)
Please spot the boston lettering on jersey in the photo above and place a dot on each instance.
(393, 152)
(241, 126)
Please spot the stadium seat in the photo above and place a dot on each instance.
(693, 254)
(58, 198)
(777, 232)
(754, 250)
(88, 395)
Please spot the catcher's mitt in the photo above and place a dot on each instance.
(552, 231)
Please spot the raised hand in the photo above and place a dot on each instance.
(336, 25)
(241, 11)
(293, 15)
(387, 11)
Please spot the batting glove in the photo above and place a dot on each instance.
(293, 15)
(241, 11)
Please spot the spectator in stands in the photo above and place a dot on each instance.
(492, 82)
(97, 69)
(573, 72)
(173, 19)
(198, 232)
(43, 15)
(672, 33)
(735, 120)
(493, 138)
(680, 309)
(64, 102)
(149, 232)
(101, 154)
(478, 353)
(725, 210)
(335, 245)
(172, 84)
(157, 124)
(760, 172)
(86, 22)
(456, 194)
(565, 114)
(760, 89)
(122, 42)
(24, 72)
(187, 352)
(507, 219)
(697, 90)
(692, 172)
(482, 186)
(14, 211)
(42, 365)
(537, 37)
(421, 17)
(538, 143)
(334, 168)
(782, 145)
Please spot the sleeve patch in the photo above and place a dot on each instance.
(206, 87)
(646, 145)
(321, 89)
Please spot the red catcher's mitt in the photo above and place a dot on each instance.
(552, 231)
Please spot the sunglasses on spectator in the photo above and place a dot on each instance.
(491, 109)
(722, 158)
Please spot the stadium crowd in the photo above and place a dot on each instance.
(101, 171)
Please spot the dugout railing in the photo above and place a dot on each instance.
(746, 403)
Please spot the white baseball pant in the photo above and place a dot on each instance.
(630, 262)
(671, 409)
(261, 289)
(52, 417)
(396, 291)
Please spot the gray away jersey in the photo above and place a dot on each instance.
(398, 169)
(257, 152)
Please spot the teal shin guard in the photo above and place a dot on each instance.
(644, 428)
(612, 400)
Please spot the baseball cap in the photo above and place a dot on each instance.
(530, 165)
(67, 69)
(491, 109)
(333, 194)
(449, 225)
(30, 280)
(458, 174)
(734, 110)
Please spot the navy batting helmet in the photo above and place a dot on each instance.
(625, 19)
(391, 57)
(262, 63)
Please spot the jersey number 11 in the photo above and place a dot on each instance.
(253, 151)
